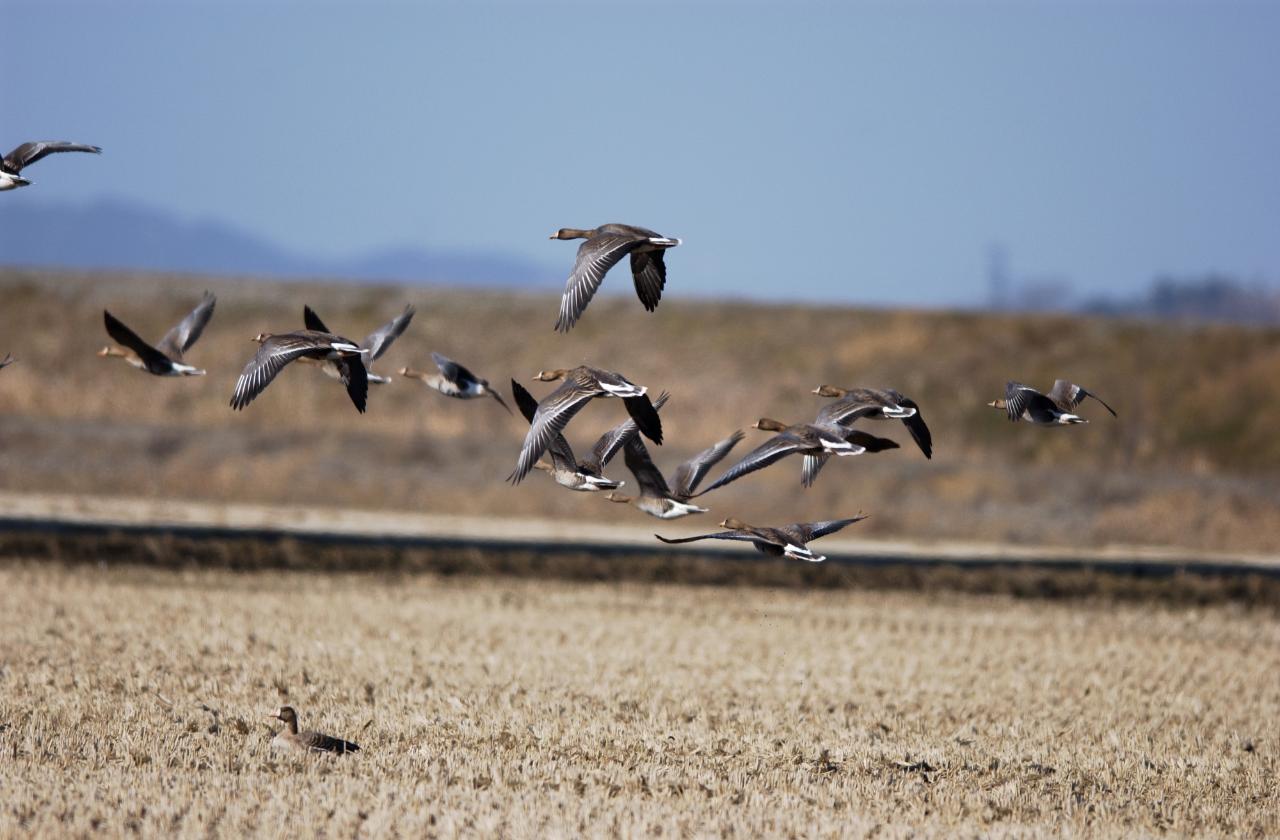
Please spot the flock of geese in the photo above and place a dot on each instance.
(832, 433)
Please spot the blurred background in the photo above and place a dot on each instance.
(931, 196)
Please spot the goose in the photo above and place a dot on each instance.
(292, 740)
(800, 438)
(1022, 402)
(586, 474)
(876, 404)
(656, 497)
(787, 541)
(375, 342)
(7, 360)
(279, 350)
(580, 385)
(454, 380)
(28, 153)
(603, 248)
(164, 359)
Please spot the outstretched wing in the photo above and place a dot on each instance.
(721, 535)
(1069, 395)
(459, 375)
(776, 448)
(650, 274)
(312, 320)
(648, 476)
(846, 411)
(919, 431)
(559, 448)
(150, 356)
(29, 153)
(276, 352)
(552, 415)
(595, 257)
(805, 531)
(355, 376)
(179, 339)
(380, 339)
(1018, 398)
(691, 472)
(619, 436)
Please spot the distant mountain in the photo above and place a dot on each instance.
(121, 234)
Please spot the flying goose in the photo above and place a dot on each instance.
(581, 384)
(606, 245)
(29, 153)
(454, 380)
(278, 350)
(656, 497)
(801, 438)
(307, 740)
(375, 342)
(165, 359)
(1022, 402)
(586, 474)
(876, 404)
(787, 541)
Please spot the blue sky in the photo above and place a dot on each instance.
(862, 152)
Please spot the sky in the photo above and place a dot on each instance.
(853, 152)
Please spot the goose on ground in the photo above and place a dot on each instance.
(375, 342)
(1056, 408)
(581, 384)
(586, 474)
(797, 439)
(603, 248)
(28, 153)
(876, 404)
(454, 380)
(292, 740)
(787, 541)
(7, 360)
(164, 359)
(279, 350)
(656, 497)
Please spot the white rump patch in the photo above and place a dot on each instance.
(624, 390)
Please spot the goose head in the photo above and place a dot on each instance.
(111, 351)
(570, 233)
(734, 524)
(551, 375)
(620, 498)
(829, 391)
(260, 337)
(997, 404)
(766, 424)
(289, 716)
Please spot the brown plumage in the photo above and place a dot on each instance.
(290, 738)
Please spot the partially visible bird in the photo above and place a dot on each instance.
(581, 384)
(7, 360)
(454, 380)
(603, 248)
(1056, 408)
(876, 404)
(279, 350)
(164, 359)
(375, 342)
(796, 439)
(787, 541)
(293, 740)
(28, 153)
(656, 497)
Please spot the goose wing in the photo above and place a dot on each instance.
(462, 377)
(595, 257)
(29, 153)
(806, 531)
(380, 339)
(846, 411)
(561, 452)
(870, 442)
(619, 436)
(354, 375)
(1068, 395)
(650, 274)
(1019, 398)
(319, 742)
(776, 448)
(648, 476)
(150, 356)
(691, 472)
(812, 465)
(312, 321)
(274, 353)
(741, 536)
(915, 424)
(179, 340)
(549, 420)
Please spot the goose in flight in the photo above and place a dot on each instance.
(581, 385)
(292, 740)
(28, 153)
(604, 247)
(799, 439)
(276, 351)
(165, 358)
(454, 380)
(787, 541)
(876, 404)
(375, 342)
(1056, 408)
(656, 497)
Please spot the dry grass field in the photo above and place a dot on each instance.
(1183, 465)
(133, 701)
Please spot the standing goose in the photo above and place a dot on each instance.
(165, 359)
(375, 342)
(1022, 402)
(454, 380)
(292, 740)
(656, 497)
(586, 474)
(581, 384)
(279, 350)
(876, 404)
(787, 541)
(801, 438)
(28, 153)
(606, 245)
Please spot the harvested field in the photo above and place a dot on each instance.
(135, 700)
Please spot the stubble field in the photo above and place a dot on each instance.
(136, 700)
